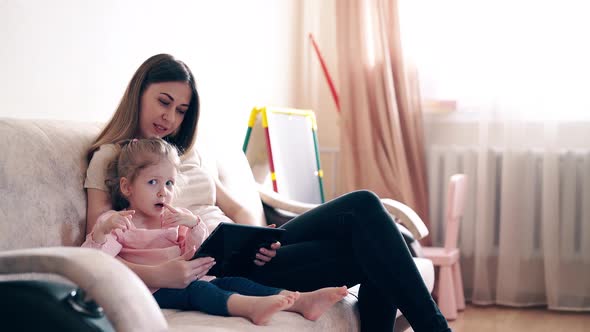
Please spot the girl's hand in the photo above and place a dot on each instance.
(118, 220)
(175, 217)
(180, 272)
(265, 255)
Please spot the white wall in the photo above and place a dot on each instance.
(71, 59)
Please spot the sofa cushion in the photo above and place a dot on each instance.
(342, 317)
(44, 204)
(43, 164)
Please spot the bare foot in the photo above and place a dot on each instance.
(260, 309)
(313, 304)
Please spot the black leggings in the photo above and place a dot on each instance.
(353, 240)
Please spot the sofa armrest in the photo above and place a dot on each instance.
(402, 213)
(407, 217)
(277, 201)
(125, 299)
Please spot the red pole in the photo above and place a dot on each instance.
(326, 73)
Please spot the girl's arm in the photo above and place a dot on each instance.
(99, 202)
(101, 238)
(176, 273)
(234, 209)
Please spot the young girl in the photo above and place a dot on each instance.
(149, 230)
(348, 241)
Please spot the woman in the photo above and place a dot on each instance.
(347, 241)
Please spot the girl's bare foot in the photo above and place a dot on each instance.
(313, 304)
(260, 309)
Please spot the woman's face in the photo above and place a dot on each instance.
(162, 108)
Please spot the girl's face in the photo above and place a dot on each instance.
(162, 108)
(153, 186)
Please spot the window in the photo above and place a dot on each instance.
(527, 55)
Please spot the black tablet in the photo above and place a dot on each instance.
(234, 247)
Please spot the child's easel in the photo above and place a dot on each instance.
(287, 147)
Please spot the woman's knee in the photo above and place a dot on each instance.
(364, 200)
(369, 211)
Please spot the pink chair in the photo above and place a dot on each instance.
(450, 284)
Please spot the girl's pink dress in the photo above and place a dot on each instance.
(149, 246)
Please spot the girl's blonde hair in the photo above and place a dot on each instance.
(133, 156)
(125, 122)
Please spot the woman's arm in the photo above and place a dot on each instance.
(234, 209)
(242, 215)
(97, 195)
(99, 202)
(175, 273)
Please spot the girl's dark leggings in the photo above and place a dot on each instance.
(353, 240)
(210, 296)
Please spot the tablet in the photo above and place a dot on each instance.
(234, 247)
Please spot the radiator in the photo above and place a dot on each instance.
(573, 181)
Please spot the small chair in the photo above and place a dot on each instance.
(450, 284)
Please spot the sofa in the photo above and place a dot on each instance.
(43, 222)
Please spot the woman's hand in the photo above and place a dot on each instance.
(265, 255)
(175, 217)
(180, 272)
(117, 220)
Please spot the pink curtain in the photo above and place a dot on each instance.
(382, 146)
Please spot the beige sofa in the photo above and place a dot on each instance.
(42, 221)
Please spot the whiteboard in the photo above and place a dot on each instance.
(294, 156)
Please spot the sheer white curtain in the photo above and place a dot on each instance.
(520, 72)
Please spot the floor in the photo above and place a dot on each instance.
(507, 319)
